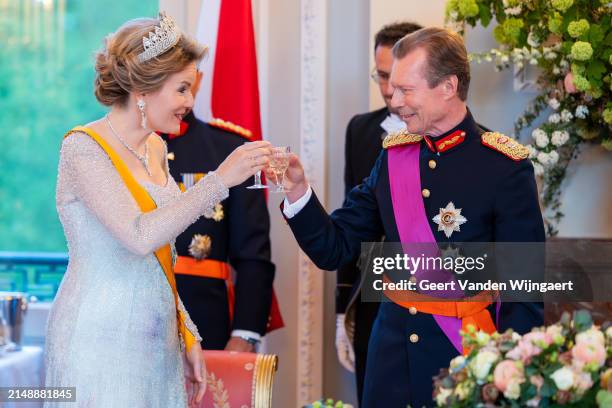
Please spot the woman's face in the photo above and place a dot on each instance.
(166, 107)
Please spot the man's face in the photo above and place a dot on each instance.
(383, 60)
(418, 105)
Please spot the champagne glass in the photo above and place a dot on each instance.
(279, 162)
(257, 184)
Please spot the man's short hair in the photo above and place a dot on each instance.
(392, 33)
(446, 55)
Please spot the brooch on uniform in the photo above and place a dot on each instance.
(216, 214)
(449, 219)
(200, 246)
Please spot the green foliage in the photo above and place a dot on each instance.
(46, 87)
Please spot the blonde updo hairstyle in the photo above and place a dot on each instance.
(118, 71)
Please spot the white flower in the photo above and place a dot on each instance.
(543, 158)
(553, 158)
(505, 59)
(556, 70)
(532, 39)
(554, 118)
(535, 53)
(563, 63)
(566, 115)
(582, 111)
(563, 378)
(481, 365)
(488, 58)
(533, 61)
(554, 103)
(590, 336)
(550, 55)
(457, 363)
(454, 15)
(514, 11)
(519, 65)
(540, 137)
(443, 395)
(532, 151)
(482, 338)
(559, 137)
(538, 169)
(513, 390)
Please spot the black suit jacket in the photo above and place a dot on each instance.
(240, 238)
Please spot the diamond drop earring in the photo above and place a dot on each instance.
(143, 116)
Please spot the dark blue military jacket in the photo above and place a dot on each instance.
(498, 197)
(239, 233)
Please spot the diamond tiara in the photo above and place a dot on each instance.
(164, 37)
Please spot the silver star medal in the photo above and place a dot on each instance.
(449, 219)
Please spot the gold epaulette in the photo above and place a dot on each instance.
(505, 145)
(400, 138)
(231, 127)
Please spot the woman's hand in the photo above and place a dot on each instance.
(195, 372)
(244, 162)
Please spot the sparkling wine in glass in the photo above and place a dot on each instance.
(279, 162)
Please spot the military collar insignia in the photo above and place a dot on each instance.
(231, 127)
(505, 145)
(401, 138)
(449, 219)
(445, 143)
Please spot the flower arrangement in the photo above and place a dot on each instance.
(566, 364)
(329, 403)
(570, 41)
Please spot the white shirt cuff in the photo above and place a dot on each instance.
(246, 333)
(290, 210)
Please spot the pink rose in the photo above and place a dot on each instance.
(568, 82)
(507, 372)
(587, 353)
(529, 346)
(584, 381)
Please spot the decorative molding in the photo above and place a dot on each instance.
(312, 153)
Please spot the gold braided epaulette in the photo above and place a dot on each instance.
(505, 145)
(403, 137)
(231, 127)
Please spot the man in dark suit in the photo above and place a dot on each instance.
(234, 235)
(441, 180)
(364, 135)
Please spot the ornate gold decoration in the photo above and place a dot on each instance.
(263, 378)
(227, 125)
(220, 394)
(217, 213)
(505, 145)
(200, 246)
(400, 138)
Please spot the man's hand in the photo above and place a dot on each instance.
(294, 180)
(346, 355)
(238, 344)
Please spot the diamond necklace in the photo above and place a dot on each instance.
(144, 159)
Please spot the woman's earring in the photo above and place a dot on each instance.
(143, 116)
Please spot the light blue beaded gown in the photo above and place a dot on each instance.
(112, 330)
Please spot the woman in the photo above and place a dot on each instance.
(117, 325)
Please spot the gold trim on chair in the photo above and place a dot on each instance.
(263, 378)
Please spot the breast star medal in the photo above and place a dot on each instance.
(449, 219)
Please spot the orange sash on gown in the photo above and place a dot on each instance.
(146, 204)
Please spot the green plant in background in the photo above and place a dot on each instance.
(46, 87)
(570, 41)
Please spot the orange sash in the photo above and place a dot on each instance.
(472, 311)
(146, 204)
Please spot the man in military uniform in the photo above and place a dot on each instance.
(364, 135)
(234, 235)
(441, 179)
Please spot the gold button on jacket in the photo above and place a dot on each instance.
(432, 164)
(414, 338)
(426, 193)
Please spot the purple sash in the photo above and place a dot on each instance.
(413, 225)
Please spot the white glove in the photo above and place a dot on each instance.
(346, 355)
